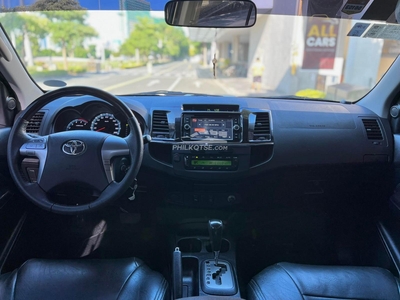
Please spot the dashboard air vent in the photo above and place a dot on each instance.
(35, 122)
(373, 129)
(160, 126)
(262, 129)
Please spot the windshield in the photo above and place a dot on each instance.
(130, 52)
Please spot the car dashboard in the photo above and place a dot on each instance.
(200, 149)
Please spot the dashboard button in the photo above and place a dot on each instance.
(231, 198)
(177, 157)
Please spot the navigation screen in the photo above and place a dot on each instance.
(208, 128)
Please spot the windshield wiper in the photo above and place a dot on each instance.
(292, 97)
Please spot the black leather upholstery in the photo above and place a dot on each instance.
(293, 281)
(83, 279)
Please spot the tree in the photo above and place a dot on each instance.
(46, 5)
(68, 30)
(155, 38)
(55, 10)
(143, 37)
(28, 28)
(194, 48)
(176, 44)
(92, 51)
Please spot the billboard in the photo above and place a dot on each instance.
(320, 43)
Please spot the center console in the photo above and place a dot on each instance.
(210, 146)
(215, 139)
(206, 265)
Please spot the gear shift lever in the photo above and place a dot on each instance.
(215, 231)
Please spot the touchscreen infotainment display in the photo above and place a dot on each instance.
(211, 128)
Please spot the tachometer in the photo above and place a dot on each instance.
(106, 123)
(78, 124)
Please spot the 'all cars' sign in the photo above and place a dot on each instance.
(320, 43)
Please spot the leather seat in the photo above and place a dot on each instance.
(294, 281)
(83, 279)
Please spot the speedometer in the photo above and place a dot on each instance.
(106, 123)
(78, 124)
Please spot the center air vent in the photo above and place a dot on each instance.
(160, 126)
(373, 129)
(262, 128)
(35, 122)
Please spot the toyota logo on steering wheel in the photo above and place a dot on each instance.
(74, 147)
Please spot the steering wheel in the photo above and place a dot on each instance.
(74, 157)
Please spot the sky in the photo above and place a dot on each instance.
(94, 4)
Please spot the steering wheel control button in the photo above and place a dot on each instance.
(36, 146)
(74, 147)
(30, 167)
(39, 144)
(32, 173)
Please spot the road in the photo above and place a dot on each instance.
(175, 76)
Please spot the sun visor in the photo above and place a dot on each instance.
(264, 6)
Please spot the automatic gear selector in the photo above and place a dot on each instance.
(215, 230)
(217, 275)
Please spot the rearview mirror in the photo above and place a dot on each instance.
(211, 13)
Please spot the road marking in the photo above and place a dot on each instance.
(125, 83)
(197, 84)
(153, 82)
(128, 82)
(106, 77)
(174, 84)
(229, 91)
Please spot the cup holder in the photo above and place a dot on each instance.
(191, 245)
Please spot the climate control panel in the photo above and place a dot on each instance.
(211, 162)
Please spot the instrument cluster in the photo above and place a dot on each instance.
(94, 116)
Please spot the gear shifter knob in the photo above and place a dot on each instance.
(215, 230)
